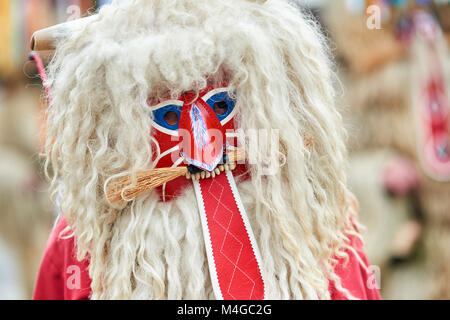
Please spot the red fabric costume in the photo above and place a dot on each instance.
(63, 277)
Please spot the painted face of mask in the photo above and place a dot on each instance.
(195, 129)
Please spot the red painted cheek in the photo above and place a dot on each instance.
(166, 142)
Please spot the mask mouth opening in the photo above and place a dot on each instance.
(196, 173)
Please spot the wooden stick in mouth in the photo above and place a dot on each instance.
(146, 180)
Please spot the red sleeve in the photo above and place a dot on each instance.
(357, 279)
(61, 276)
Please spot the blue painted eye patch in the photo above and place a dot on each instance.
(219, 97)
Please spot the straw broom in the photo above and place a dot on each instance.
(147, 180)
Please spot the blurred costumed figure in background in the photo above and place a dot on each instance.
(26, 212)
(26, 215)
(395, 76)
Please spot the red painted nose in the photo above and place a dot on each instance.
(202, 134)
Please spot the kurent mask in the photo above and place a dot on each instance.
(193, 129)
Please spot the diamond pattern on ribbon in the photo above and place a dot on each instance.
(236, 265)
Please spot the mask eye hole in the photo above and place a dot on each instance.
(220, 108)
(171, 118)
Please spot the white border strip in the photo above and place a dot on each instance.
(165, 153)
(248, 227)
(167, 103)
(164, 130)
(207, 96)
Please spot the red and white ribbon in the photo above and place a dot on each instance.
(233, 255)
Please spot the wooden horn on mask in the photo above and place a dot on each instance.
(46, 39)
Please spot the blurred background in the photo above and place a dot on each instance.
(393, 75)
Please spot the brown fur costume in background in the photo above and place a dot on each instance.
(26, 213)
(380, 83)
